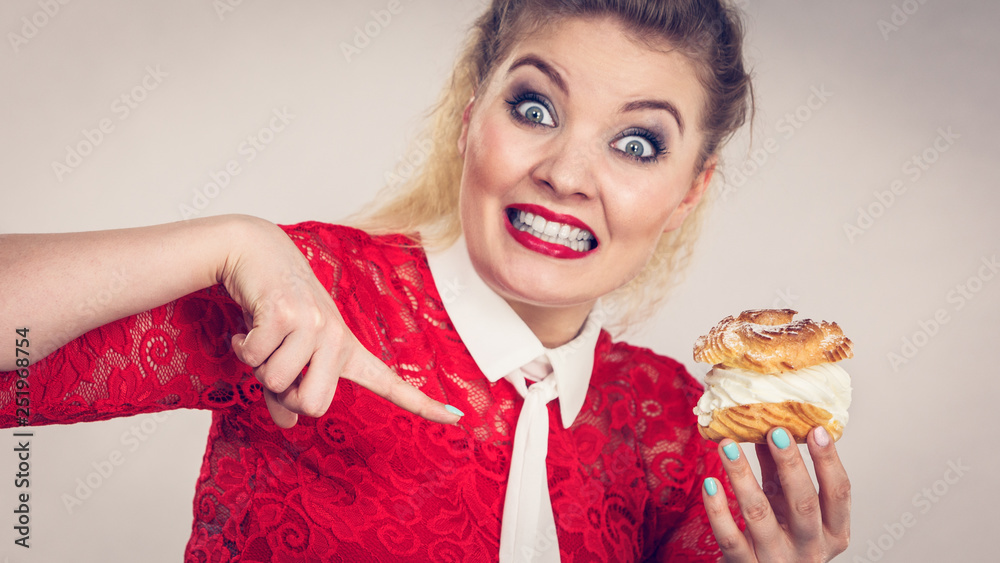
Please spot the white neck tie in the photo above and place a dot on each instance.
(528, 529)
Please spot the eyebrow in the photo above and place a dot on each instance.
(546, 68)
(656, 104)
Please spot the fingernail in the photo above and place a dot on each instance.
(780, 438)
(453, 410)
(732, 451)
(821, 436)
(711, 487)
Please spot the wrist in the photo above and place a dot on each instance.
(234, 235)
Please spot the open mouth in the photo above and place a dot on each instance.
(571, 237)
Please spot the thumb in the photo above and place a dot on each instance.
(237, 342)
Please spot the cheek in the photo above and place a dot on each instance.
(641, 211)
(483, 184)
(495, 158)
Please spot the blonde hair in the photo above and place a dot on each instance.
(710, 32)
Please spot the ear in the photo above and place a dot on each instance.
(463, 137)
(693, 195)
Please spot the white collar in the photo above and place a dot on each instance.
(504, 342)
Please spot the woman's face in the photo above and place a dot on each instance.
(579, 152)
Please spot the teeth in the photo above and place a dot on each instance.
(538, 224)
(550, 231)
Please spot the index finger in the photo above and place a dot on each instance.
(369, 372)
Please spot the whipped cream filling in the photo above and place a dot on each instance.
(580, 240)
(827, 386)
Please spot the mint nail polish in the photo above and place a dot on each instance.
(732, 451)
(780, 439)
(453, 410)
(711, 486)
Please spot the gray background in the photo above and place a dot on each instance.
(775, 237)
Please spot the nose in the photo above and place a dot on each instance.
(568, 166)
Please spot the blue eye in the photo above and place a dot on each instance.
(532, 109)
(635, 146)
(640, 145)
(535, 113)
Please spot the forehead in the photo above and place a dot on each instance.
(599, 58)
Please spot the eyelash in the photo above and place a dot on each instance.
(659, 146)
(522, 97)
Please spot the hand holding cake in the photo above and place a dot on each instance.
(770, 371)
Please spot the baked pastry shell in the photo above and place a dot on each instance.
(750, 423)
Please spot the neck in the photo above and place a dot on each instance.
(553, 326)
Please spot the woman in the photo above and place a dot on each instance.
(572, 145)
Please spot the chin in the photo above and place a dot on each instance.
(539, 282)
(534, 271)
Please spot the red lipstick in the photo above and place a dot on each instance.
(536, 244)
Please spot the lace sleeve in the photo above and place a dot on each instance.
(678, 460)
(690, 536)
(174, 356)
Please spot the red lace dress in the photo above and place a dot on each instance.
(369, 481)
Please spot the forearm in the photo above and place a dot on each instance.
(60, 286)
